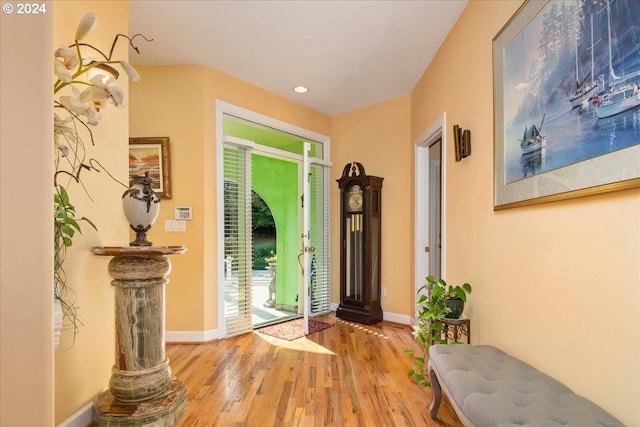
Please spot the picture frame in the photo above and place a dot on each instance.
(151, 154)
(579, 150)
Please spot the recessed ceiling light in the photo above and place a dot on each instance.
(301, 89)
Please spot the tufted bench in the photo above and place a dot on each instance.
(487, 387)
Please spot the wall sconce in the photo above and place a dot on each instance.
(462, 142)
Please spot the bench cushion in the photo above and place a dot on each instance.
(487, 387)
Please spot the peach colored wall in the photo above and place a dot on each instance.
(26, 291)
(186, 113)
(82, 370)
(379, 138)
(159, 107)
(558, 284)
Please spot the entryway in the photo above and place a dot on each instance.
(273, 166)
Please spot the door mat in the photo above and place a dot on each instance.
(293, 329)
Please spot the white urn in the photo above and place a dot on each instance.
(141, 206)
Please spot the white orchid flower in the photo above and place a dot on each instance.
(86, 25)
(66, 59)
(117, 95)
(102, 89)
(80, 108)
(61, 129)
(65, 134)
(60, 122)
(73, 104)
(69, 57)
(93, 116)
(62, 72)
(99, 104)
(94, 93)
(131, 72)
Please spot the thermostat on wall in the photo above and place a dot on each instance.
(183, 212)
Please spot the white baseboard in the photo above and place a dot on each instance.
(396, 318)
(82, 418)
(390, 317)
(191, 336)
(212, 334)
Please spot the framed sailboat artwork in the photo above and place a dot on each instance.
(566, 77)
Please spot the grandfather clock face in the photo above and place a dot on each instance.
(354, 199)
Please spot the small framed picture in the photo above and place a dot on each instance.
(151, 154)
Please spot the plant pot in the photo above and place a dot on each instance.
(457, 307)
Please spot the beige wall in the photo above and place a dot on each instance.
(83, 368)
(379, 138)
(179, 102)
(26, 233)
(556, 284)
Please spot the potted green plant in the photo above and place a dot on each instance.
(432, 310)
(456, 296)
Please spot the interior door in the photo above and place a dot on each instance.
(435, 229)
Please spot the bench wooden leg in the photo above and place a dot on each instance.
(437, 393)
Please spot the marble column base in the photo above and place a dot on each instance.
(136, 386)
(162, 411)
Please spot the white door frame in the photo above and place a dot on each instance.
(223, 108)
(421, 222)
(306, 236)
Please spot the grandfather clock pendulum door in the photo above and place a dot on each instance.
(360, 203)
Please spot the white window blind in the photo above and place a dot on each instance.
(320, 239)
(237, 240)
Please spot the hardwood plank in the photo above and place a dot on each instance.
(347, 375)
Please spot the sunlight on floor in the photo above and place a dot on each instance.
(300, 344)
(362, 328)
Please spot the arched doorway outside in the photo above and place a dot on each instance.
(276, 182)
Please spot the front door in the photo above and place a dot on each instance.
(296, 188)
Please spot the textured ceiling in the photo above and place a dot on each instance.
(351, 54)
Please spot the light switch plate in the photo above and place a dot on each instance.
(175, 225)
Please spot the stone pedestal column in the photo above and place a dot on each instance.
(141, 391)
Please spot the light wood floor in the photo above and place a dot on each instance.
(347, 375)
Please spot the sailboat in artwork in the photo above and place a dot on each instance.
(533, 140)
(621, 96)
(584, 90)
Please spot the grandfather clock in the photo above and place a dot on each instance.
(360, 203)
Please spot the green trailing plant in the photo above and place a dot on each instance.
(65, 226)
(431, 311)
